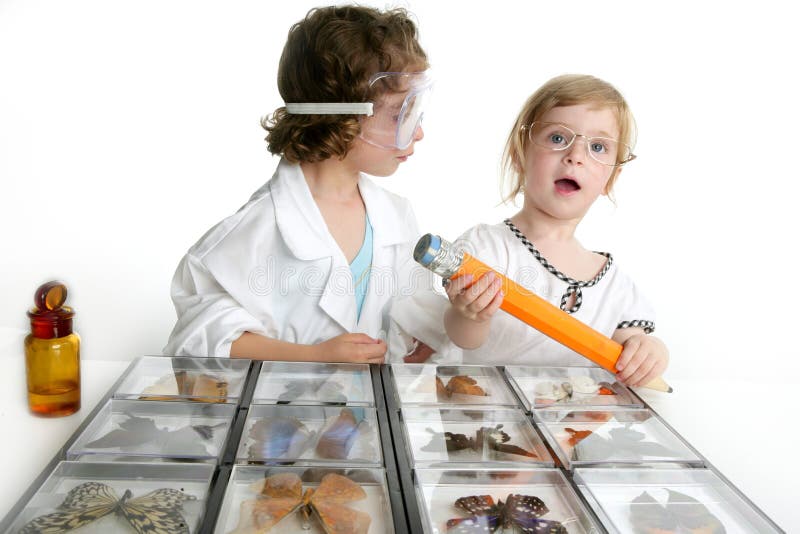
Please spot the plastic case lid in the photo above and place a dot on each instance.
(83, 482)
(304, 435)
(314, 383)
(613, 435)
(125, 429)
(544, 387)
(668, 500)
(444, 437)
(250, 500)
(438, 489)
(190, 379)
(426, 384)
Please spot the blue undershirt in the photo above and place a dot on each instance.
(360, 268)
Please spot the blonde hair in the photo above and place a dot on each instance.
(565, 90)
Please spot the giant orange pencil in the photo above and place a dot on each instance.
(442, 258)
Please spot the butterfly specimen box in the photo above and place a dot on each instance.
(442, 436)
(305, 500)
(150, 430)
(188, 379)
(310, 435)
(424, 384)
(682, 501)
(314, 383)
(613, 435)
(489, 500)
(118, 497)
(542, 387)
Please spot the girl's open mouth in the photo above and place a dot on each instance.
(567, 185)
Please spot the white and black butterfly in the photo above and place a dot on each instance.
(158, 512)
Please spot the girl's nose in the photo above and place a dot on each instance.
(576, 153)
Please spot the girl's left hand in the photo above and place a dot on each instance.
(643, 359)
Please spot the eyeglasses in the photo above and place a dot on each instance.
(555, 136)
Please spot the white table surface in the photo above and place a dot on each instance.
(750, 439)
(29, 442)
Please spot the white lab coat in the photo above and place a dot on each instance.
(273, 268)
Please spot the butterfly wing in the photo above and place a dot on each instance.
(282, 485)
(693, 514)
(478, 505)
(464, 385)
(157, 512)
(165, 388)
(474, 524)
(83, 504)
(336, 441)
(209, 388)
(649, 517)
(525, 506)
(338, 519)
(261, 514)
(525, 512)
(131, 432)
(278, 437)
(484, 515)
(338, 489)
(542, 526)
(328, 503)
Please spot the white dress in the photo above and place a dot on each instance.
(273, 268)
(611, 301)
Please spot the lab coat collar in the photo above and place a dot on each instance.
(305, 233)
(304, 230)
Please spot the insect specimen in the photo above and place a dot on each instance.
(282, 494)
(622, 443)
(520, 512)
(135, 432)
(459, 385)
(337, 440)
(201, 387)
(648, 516)
(492, 438)
(278, 437)
(157, 512)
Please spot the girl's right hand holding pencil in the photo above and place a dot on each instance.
(467, 320)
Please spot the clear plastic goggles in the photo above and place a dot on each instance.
(393, 108)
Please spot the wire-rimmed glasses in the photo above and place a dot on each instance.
(555, 136)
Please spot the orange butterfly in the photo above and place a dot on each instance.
(282, 494)
(461, 384)
(577, 435)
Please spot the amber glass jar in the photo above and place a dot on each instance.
(52, 354)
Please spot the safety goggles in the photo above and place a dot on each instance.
(392, 110)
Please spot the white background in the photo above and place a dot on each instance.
(127, 129)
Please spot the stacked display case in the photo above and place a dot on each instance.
(235, 447)
(148, 454)
(310, 457)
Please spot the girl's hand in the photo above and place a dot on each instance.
(643, 359)
(479, 301)
(350, 348)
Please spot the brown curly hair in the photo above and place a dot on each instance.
(330, 56)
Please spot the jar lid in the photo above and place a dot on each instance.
(49, 317)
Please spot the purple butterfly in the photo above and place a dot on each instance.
(522, 512)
